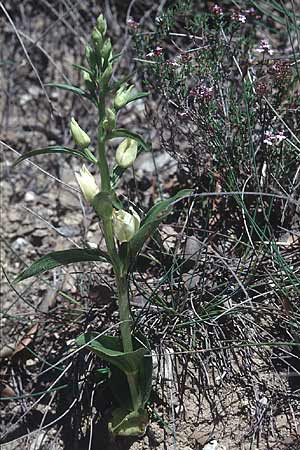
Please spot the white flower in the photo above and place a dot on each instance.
(125, 224)
(126, 153)
(80, 137)
(123, 96)
(87, 184)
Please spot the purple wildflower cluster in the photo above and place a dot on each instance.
(271, 138)
(236, 15)
(202, 92)
(158, 51)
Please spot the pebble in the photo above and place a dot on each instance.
(29, 197)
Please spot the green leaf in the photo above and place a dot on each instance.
(137, 362)
(137, 96)
(128, 423)
(109, 348)
(116, 56)
(82, 68)
(53, 149)
(74, 89)
(61, 258)
(153, 218)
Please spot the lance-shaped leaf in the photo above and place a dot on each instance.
(153, 218)
(62, 258)
(82, 68)
(55, 149)
(109, 348)
(137, 362)
(74, 89)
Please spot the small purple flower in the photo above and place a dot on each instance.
(264, 47)
(133, 24)
(203, 93)
(217, 10)
(172, 63)
(158, 51)
(274, 139)
(237, 16)
(206, 93)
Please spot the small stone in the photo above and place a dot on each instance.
(19, 244)
(67, 231)
(29, 196)
(192, 248)
(214, 445)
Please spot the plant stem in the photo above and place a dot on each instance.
(125, 319)
(124, 311)
(121, 276)
(102, 161)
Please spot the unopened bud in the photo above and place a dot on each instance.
(125, 224)
(88, 81)
(101, 24)
(106, 50)
(87, 184)
(90, 56)
(106, 75)
(97, 41)
(123, 96)
(80, 137)
(109, 122)
(126, 153)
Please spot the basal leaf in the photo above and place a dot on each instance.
(109, 349)
(53, 149)
(128, 423)
(61, 258)
(137, 362)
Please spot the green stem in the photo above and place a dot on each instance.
(102, 161)
(121, 276)
(125, 316)
(125, 319)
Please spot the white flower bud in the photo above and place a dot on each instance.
(125, 224)
(126, 153)
(80, 137)
(123, 96)
(87, 184)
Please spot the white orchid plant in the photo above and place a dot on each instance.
(125, 232)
